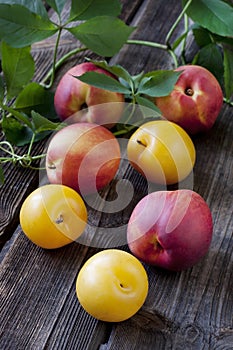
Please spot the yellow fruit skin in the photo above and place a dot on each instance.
(162, 151)
(53, 216)
(112, 285)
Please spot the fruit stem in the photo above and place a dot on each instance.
(54, 60)
(141, 143)
(189, 92)
(59, 220)
(52, 166)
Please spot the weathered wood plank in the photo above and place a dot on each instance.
(191, 309)
(31, 303)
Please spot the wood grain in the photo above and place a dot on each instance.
(187, 310)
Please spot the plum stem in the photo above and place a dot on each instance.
(52, 166)
(59, 220)
(141, 143)
(189, 92)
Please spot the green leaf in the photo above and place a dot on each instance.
(116, 70)
(15, 132)
(1, 176)
(223, 40)
(202, 36)
(18, 68)
(103, 81)
(103, 35)
(57, 5)
(36, 97)
(228, 72)
(20, 134)
(20, 116)
(142, 101)
(20, 27)
(2, 89)
(41, 123)
(83, 10)
(137, 80)
(214, 15)
(177, 42)
(211, 58)
(34, 6)
(158, 83)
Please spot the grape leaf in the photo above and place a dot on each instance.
(103, 35)
(20, 27)
(214, 15)
(18, 68)
(83, 10)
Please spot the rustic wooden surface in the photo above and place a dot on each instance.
(192, 309)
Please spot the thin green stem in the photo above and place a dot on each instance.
(25, 160)
(39, 156)
(54, 59)
(8, 144)
(147, 43)
(229, 102)
(186, 29)
(60, 62)
(31, 143)
(175, 60)
(132, 111)
(155, 45)
(173, 27)
(124, 131)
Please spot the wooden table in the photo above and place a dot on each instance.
(192, 309)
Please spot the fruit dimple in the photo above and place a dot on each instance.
(84, 106)
(124, 287)
(158, 245)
